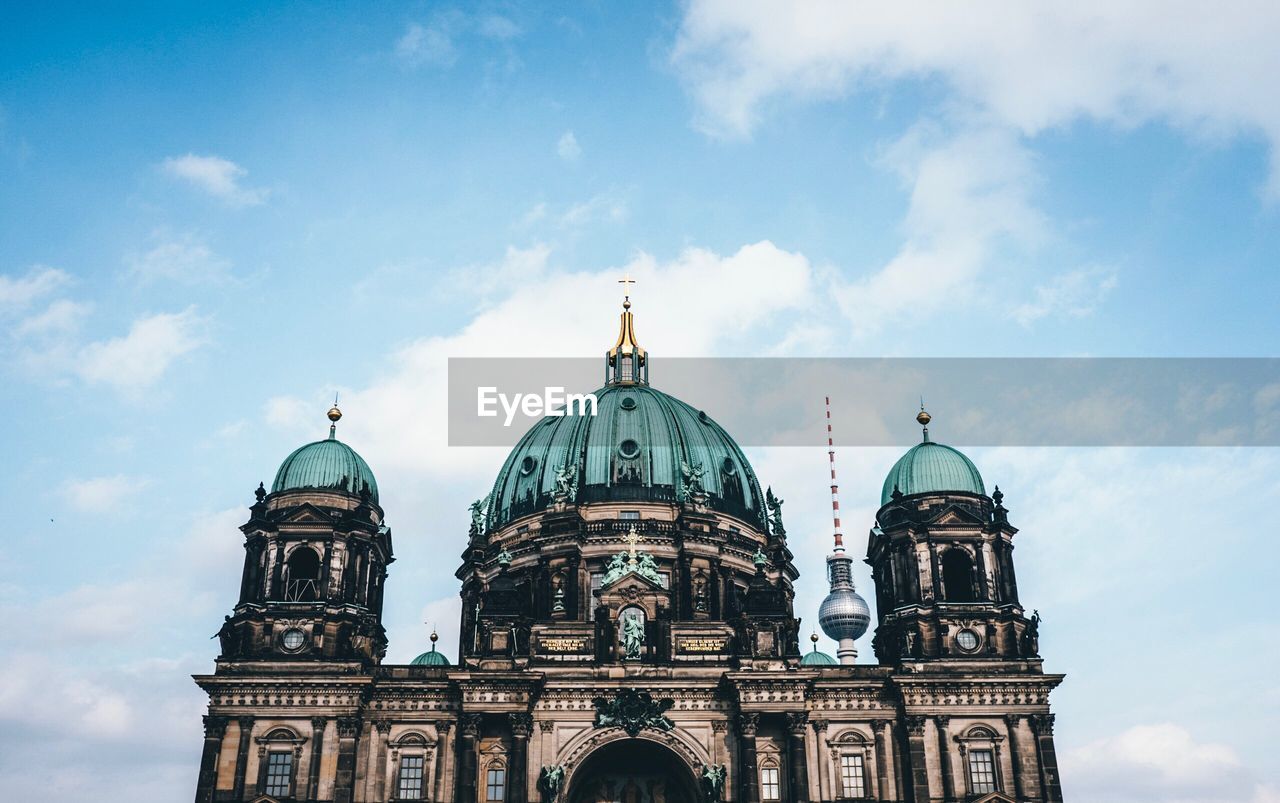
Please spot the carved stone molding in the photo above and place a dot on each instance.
(348, 727)
(470, 724)
(521, 725)
(914, 725)
(819, 725)
(215, 727)
(748, 724)
(1042, 724)
(719, 726)
(318, 723)
(796, 721)
(547, 725)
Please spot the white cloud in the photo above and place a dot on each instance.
(1160, 763)
(494, 26)
(1205, 68)
(20, 293)
(136, 361)
(427, 45)
(60, 318)
(568, 148)
(605, 206)
(217, 176)
(1075, 294)
(969, 197)
(183, 259)
(102, 494)
(396, 421)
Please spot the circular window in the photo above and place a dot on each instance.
(703, 417)
(729, 467)
(629, 449)
(627, 403)
(528, 464)
(292, 639)
(967, 639)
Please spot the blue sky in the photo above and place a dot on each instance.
(211, 219)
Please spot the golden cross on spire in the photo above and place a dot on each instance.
(626, 281)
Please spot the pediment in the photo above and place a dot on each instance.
(954, 514)
(307, 513)
(993, 797)
(635, 581)
(264, 799)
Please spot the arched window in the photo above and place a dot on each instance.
(411, 769)
(852, 753)
(278, 754)
(770, 781)
(980, 748)
(957, 576)
(302, 578)
(495, 782)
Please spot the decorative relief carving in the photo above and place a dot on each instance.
(633, 711)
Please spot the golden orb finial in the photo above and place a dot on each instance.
(334, 413)
(813, 637)
(923, 417)
(434, 636)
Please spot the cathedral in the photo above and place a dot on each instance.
(628, 633)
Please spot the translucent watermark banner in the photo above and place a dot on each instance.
(973, 402)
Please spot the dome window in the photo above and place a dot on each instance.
(528, 464)
(729, 467)
(627, 403)
(629, 449)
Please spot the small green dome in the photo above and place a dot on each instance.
(632, 450)
(329, 464)
(430, 658)
(932, 467)
(816, 658)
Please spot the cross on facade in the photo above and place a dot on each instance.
(632, 538)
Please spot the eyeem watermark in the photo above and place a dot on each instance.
(554, 401)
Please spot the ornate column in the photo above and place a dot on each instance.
(317, 755)
(518, 785)
(378, 771)
(214, 729)
(443, 728)
(242, 756)
(915, 758)
(799, 759)
(344, 779)
(825, 783)
(878, 728)
(1050, 784)
(1012, 722)
(944, 758)
(749, 773)
(468, 744)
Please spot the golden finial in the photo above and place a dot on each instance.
(923, 418)
(334, 414)
(434, 636)
(814, 638)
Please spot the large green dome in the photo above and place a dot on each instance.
(326, 465)
(430, 658)
(632, 450)
(930, 467)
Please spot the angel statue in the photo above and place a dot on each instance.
(692, 478)
(712, 780)
(551, 781)
(775, 512)
(477, 514)
(566, 481)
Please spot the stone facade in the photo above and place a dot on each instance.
(631, 639)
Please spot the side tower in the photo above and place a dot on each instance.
(965, 656)
(316, 556)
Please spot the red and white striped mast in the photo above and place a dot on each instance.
(835, 486)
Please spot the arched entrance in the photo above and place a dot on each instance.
(632, 771)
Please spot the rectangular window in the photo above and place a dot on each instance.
(597, 580)
(982, 772)
(279, 774)
(770, 787)
(495, 786)
(852, 781)
(409, 784)
(629, 515)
